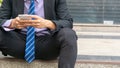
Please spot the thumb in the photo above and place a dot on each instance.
(35, 17)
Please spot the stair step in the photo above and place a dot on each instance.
(78, 27)
(18, 63)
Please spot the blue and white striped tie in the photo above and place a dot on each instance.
(30, 40)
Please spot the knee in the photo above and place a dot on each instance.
(0, 36)
(67, 33)
(67, 37)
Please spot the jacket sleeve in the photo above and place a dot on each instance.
(63, 20)
(5, 11)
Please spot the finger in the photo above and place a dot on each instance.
(17, 18)
(16, 24)
(36, 26)
(34, 16)
(21, 26)
(29, 21)
(39, 26)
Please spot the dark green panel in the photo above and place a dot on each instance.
(94, 11)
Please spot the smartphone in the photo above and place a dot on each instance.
(24, 17)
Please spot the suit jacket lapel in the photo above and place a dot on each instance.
(48, 6)
(45, 8)
(19, 6)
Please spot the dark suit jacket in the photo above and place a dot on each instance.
(55, 10)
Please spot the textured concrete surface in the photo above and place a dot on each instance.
(96, 66)
(13, 63)
(102, 47)
(96, 27)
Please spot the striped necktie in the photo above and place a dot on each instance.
(30, 39)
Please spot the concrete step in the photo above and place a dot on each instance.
(98, 43)
(18, 63)
(96, 27)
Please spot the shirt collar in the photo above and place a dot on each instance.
(35, 0)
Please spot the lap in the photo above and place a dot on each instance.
(13, 43)
(45, 46)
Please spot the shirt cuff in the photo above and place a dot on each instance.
(6, 25)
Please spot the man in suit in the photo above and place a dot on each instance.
(51, 16)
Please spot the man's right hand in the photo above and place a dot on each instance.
(16, 24)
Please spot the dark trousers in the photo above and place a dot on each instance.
(62, 44)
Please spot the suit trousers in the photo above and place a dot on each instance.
(62, 44)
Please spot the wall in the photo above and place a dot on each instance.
(95, 11)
